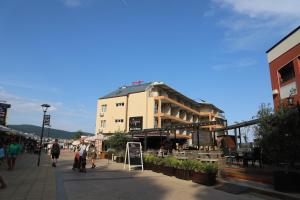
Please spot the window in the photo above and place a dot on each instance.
(119, 104)
(103, 123)
(287, 72)
(103, 108)
(119, 121)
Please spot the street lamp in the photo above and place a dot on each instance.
(44, 107)
(290, 100)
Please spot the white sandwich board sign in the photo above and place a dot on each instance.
(133, 155)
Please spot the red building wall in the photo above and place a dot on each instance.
(292, 55)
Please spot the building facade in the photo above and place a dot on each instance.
(284, 63)
(151, 105)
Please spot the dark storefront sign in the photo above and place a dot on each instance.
(205, 138)
(3, 113)
(135, 123)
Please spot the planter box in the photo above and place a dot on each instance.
(204, 178)
(169, 171)
(157, 168)
(183, 174)
(286, 181)
(148, 166)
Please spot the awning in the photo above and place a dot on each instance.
(96, 137)
(4, 128)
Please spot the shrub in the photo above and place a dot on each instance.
(149, 158)
(205, 167)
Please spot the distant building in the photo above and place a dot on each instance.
(151, 105)
(3, 113)
(284, 62)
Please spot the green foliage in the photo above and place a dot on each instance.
(118, 142)
(205, 167)
(189, 164)
(77, 135)
(169, 161)
(279, 134)
(158, 160)
(149, 158)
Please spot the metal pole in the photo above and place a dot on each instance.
(145, 142)
(235, 138)
(39, 158)
(48, 131)
(198, 138)
(240, 137)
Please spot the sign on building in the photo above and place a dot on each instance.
(3, 113)
(135, 123)
(205, 138)
(134, 155)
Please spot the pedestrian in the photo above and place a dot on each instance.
(13, 151)
(76, 158)
(55, 151)
(2, 153)
(82, 154)
(92, 154)
(3, 184)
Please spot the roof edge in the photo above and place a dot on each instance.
(288, 35)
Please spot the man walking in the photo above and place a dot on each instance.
(55, 151)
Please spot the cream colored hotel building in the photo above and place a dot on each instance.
(151, 105)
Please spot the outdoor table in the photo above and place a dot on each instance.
(209, 160)
(182, 158)
(209, 154)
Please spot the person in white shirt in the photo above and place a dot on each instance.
(82, 158)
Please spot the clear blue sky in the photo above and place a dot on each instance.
(68, 53)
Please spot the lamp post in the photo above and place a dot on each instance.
(44, 107)
(290, 101)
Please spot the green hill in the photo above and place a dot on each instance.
(53, 133)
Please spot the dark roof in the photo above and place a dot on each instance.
(125, 90)
(296, 29)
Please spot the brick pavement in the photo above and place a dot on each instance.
(107, 181)
(27, 181)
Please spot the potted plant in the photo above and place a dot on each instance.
(148, 161)
(184, 169)
(169, 164)
(205, 173)
(157, 164)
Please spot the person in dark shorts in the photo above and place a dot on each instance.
(55, 151)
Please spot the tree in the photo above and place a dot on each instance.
(78, 135)
(279, 134)
(118, 142)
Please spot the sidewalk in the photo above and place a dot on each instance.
(27, 181)
(244, 186)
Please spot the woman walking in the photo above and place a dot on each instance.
(92, 154)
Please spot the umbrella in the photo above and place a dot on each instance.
(4, 128)
(96, 137)
(76, 142)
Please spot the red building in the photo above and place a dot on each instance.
(284, 62)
